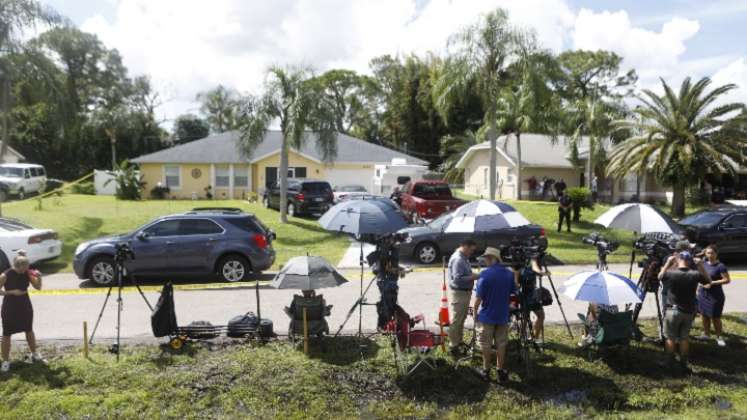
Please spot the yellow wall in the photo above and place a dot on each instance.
(477, 183)
(153, 173)
(314, 170)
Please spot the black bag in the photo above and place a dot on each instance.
(242, 325)
(543, 296)
(201, 330)
(163, 317)
(265, 329)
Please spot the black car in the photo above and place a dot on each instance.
(428, 243)
(726, 227)
(223, 241)
(305, 196)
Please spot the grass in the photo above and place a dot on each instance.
(78, 218)
(342, 380)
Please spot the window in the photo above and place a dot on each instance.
(163, 228)
(42, 172)
(240, 177)
(34, 172)
(222, 176)
(737, 221)
(378, 173)
(199, 227)
(27, 173)
(172, 176)
(316, 187)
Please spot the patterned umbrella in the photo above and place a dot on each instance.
(484, 216)
(601, 287)
(641, 218)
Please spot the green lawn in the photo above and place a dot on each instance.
(81, 217)
(223, 380)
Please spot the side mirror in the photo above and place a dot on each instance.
(142, 236)
(273, 235)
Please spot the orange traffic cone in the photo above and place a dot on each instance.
(443, 314)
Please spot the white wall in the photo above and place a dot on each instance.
(100, 178)
(339, 177)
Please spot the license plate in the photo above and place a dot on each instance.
(318, 199)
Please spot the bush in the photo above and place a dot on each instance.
(86, 188)
(128, 180)
(581, 198)
(159, 192)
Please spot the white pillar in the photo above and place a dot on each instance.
(212, 177)
(230, 181)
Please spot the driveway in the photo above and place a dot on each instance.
(61, 308)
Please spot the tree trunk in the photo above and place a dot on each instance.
(113, 141)
(590, 163)
(283, 176)
(492, 130)
(520, 181)
(678, 200)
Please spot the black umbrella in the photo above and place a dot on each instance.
(307, 273)
(371, 216)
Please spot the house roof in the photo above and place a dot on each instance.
(223, 148)
(14, 152)
(537, 150)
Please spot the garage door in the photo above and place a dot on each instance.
(339, 177)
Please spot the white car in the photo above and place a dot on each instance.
(346, 191)
(23, 178)
(39, 244)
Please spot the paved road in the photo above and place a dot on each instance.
(63, 305)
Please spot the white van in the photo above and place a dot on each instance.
(23, 178)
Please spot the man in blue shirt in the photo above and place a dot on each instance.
(494, 289)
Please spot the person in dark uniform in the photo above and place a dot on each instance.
(17, 313)
(564, 211)
(711, 297)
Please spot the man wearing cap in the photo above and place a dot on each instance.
(494, 289)
(461, 283)
(680, 304)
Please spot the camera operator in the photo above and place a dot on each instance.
(461, 283)
(385, 264)
(525, 278)
(680, 285)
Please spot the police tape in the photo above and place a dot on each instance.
(145, 288)
(50, 193)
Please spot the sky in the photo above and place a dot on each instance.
(188, 46)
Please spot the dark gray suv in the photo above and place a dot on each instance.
(222, 241)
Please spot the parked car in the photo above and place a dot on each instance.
(346, 191)
(39, 244)
(428, 243)
(23, 178)
(222, 241)
(426, 200)
(305, 196)
(725, 226)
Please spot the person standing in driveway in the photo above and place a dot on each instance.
(461, 283)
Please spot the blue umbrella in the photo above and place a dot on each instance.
(602, 287)
(377, 216)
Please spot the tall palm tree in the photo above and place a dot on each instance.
(681, 137)
(482, 54)
(15, 16)
(453, 147)
(293, 98)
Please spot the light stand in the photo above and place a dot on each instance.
(123, 252)
(361, 298)
(557, 298)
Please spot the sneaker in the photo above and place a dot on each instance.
(484, 374)
(720, 342)
(539, 342)
(34, 358)
(502, 375)
(703, 337)
(5, 367)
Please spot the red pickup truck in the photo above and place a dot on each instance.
(425, 200)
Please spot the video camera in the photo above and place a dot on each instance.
(604, 246)
(519, 252)
(658, 246)
(123, 252)
(384, 261)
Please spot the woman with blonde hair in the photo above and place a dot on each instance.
(17, 312)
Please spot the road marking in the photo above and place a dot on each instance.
(148, 288)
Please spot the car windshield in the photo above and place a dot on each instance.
(438, 223)
(316, 187)
(11, 172)
(352, 188)
(705, 219)
(432, 191)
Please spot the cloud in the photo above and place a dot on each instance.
(736, 73)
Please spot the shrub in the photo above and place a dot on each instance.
(129, 182)
(159, 192)
(581, 198)
(86, 188)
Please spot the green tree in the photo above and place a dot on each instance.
(190, 127)
(681, 137)
(354, 97)
(220, 106)
(483, 53)
(453, 147)
(292, 97)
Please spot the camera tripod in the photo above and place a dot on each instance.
(543, 264)
(647, 284)
(123, 253)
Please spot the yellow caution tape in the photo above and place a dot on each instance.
(147, 288)
(49, 193)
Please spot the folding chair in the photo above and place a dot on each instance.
(315, 316)
(407, 340)
(612, 330)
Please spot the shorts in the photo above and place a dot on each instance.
(677, 324)
(488, 334)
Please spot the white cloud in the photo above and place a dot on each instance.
(736, 73)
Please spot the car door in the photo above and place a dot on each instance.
(152, 247)
(733, 231)
(195, 245)
(27, 183)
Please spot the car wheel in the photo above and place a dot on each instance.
(427, 253)
(266, 202)
(233, 268)
(101, 270)
(21, 194)
(291, 210)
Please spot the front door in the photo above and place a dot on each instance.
(153, 248)
(271, 176)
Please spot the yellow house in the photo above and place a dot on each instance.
(216, 164)
(542, 157)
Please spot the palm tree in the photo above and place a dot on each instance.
(681, 137)
(15, 16)
(483, 52)
(453, 147)
(292, 97)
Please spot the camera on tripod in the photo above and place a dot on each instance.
(603, 246)
(123, 252)
(519, 252)
(384, 261)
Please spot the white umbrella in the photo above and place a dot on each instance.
(484, 216)
(641, 218)
(601, 287)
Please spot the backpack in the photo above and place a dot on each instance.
(241, 325)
